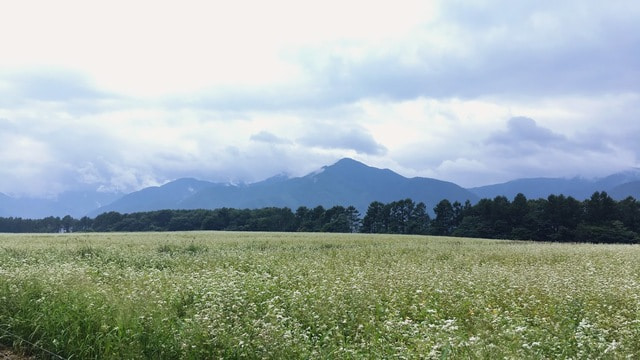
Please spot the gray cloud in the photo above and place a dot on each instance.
(54, 85)
(597, 64)
(498, 71)
(523, 133)
(267, 137)
(358, 140)
(528, 50)
(526, 149)
(517, 51)
(525, 137)
(39, 94)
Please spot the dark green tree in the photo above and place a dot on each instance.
(521, 225)
(615, 232)
(400, 213)
(444, 222)
(600, 209)
(376, 219)
(629, 213)
(354, 223)
(67, 223)
(336, 220)
(419, 221)
(107, 221)
(561, 216)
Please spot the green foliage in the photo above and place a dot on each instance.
(398, 217)
(445, 220)
(614, 232)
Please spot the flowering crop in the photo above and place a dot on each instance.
(203, 295)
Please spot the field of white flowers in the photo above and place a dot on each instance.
(205, 295)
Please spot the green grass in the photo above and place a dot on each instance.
(204, 295)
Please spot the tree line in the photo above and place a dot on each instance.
(318, 219)
(558, 218)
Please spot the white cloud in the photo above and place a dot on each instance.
(151, 48)
(126, 94)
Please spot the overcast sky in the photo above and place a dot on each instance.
(120, 95)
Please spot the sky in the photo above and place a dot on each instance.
(120, 95)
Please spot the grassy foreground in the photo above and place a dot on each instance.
(204, 295)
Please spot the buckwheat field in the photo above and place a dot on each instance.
(206, 295)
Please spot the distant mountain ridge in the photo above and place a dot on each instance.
(74, 203)
(167, 196)
(619, 186)
(347, 182)
(627, 189)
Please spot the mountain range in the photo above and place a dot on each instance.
(618, 186)
(347, 182)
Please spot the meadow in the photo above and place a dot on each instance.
(206, 295)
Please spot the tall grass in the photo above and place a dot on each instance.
(270, 295)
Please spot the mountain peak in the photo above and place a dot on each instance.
(345, 163)
(349, 168)
(348, 162)
(283, 176)
(184, 181)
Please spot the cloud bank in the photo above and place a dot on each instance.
(472, 93)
